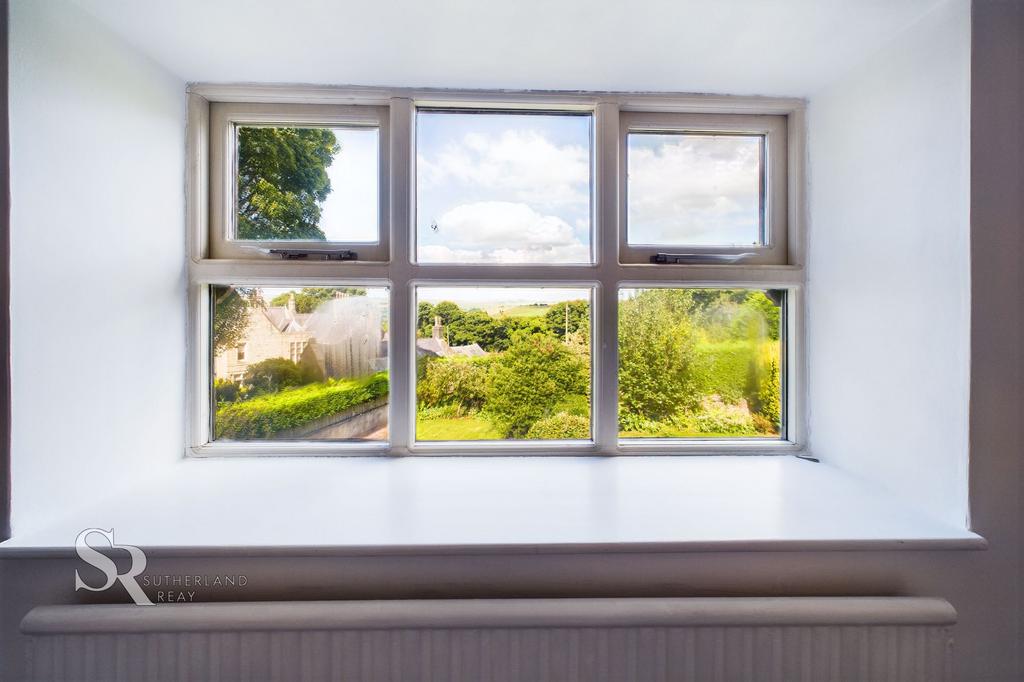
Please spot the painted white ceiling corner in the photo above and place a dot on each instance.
(770, 47)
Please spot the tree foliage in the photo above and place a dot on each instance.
(462, 382)
(578, 317)
(282, 181)
(535, 373)
(657, 359)
(309, 299)
(275, 374)
(231, 306)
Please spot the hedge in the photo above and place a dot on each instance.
(266, 415)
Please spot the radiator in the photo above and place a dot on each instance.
(524, 640)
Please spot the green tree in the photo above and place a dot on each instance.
(658, 366)
(231, 306)
(274, 374)
(454, 381)
(424, 318)
(283, 181)
(309, 299)
(578, 317)
(534, 374)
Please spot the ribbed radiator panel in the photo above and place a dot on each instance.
(902, 652)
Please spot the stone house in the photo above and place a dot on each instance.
(342, 338)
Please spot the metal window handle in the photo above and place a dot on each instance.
(684, 258)
(315, 254)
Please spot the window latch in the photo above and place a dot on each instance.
(315, 254)
(688, 258)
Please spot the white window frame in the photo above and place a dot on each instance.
(226, 117)
(398, 271)
(772, 250)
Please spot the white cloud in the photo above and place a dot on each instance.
(693, 189)
(520, 165)
(503, 232)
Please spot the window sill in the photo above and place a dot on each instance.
(450, 505)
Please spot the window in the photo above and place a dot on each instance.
(318, 366)
(298, 177)
(703, 188)
(501, 187)
(410, 272)
(503, 363)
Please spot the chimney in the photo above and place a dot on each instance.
(437, 328)
(291, 303)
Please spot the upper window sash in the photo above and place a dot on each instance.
(772, 129)
(226, 118)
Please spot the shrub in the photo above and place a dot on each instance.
(714, 416)
(225, 391)
(454, 381)
(535, 373)
(765, 426)
(562, 426)
(274, 374)
(727, 369)
(658, 366)
(575, 405)
(265, 415)
(768, 403)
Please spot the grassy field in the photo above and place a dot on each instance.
(456, 428)
(520, 311)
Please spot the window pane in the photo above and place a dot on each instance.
(502, 363)
(302, 363)
(307, 184)
(700, 363)
(687, 189)
(502, 188)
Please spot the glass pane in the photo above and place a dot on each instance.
(687, 189)
(307, 184)
(302, 363)
(700, 363)
(502, 188)
(502, 363)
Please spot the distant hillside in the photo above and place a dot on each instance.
(530, 310)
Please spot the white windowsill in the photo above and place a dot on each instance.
(500, 504)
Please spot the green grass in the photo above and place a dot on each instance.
(522, 311)
(470, 427)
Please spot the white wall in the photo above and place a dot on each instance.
(888, 306)
(97, 244)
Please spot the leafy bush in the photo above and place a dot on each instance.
(765, 426)
(225, 391)
(768, 402)
(658, 365)
(536, 372)
(574, 404)
(714, 416)
(454, 381)
(273, 374)
(562, 426)
(726, 369)
(263, 416)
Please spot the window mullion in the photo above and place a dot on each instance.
(604, 348)
(400, 329)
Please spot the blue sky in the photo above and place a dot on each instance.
(701, 190)
(498, 187)
(516, 188)
(350, 212)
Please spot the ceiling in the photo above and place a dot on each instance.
(772, 47)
